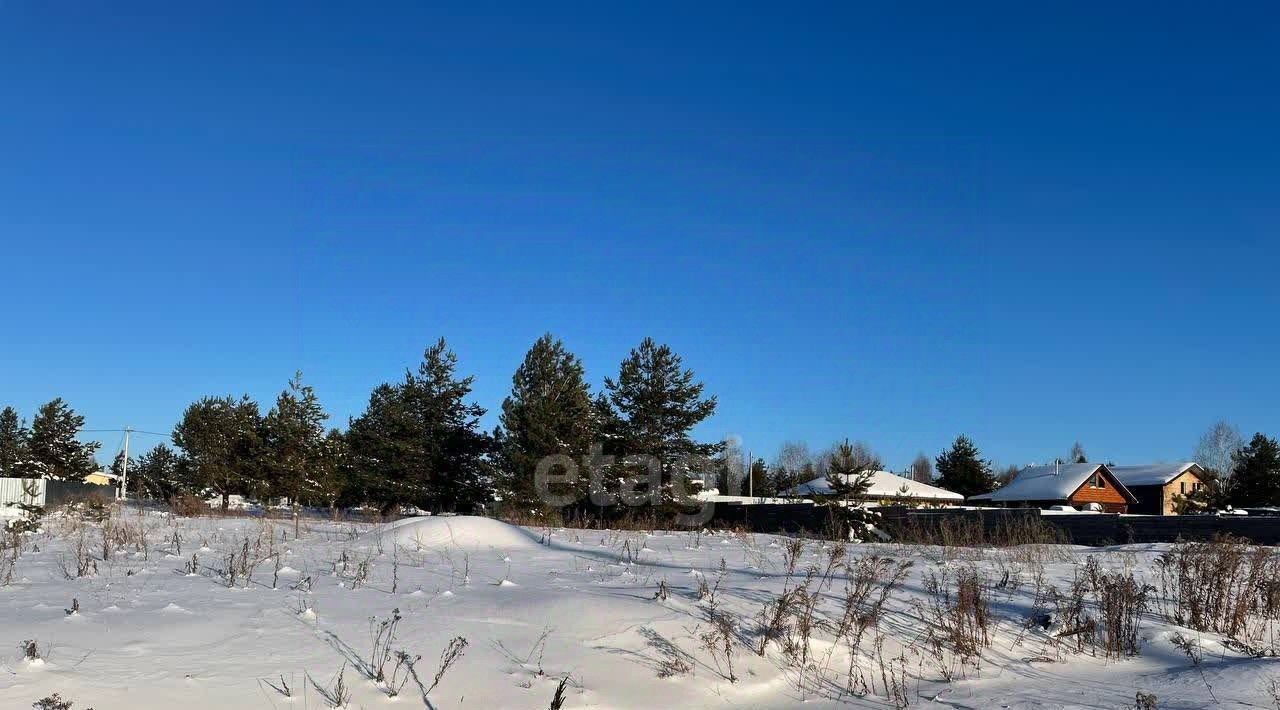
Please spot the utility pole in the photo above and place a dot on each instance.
(124, 467)
(751, 480)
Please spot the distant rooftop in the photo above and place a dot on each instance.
(1051, 482)
(883, 485)
(1155, 474)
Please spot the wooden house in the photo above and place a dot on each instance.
(1157, 486)
(1080, 485)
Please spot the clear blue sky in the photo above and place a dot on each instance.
(893, 223)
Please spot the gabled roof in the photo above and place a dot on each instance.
(883, 485)
(1155, 474)
(1052, 482)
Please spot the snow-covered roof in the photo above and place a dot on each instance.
(1051, 482)
(1155, 474)
(883, 485)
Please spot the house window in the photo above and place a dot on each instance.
(1182, 487)
(1099, 481)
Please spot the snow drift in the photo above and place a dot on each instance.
(454, 532)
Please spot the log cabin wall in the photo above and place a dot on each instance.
(1107, 494)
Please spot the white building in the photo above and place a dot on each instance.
(885, 487)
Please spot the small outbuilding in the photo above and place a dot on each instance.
(1157, 486)
(886, 488)
(1077, 484)
(102, 478)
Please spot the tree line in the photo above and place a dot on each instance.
(959, 468)
(419, 442)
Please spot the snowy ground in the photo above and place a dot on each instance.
(537, 605)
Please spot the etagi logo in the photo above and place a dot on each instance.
(634, 480)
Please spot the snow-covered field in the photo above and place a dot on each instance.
(633, 620)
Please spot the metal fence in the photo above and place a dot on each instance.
(36, 491)
(1081, 529)
(21, 490)
(1109, 528)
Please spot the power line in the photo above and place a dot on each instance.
(134, 431)
(123, 448)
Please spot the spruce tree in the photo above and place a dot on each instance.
(14, 456)
(155, 476)
(418, 442)
(963, 470)
(221, 437)
(54, 450)
(549, 412)
(849, 474)
(761, 479)
(293, 435)
(1255, 477)
(658, 402)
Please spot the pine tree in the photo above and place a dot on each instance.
(1077, 454)
(385, 442)
(849, 474)
(962, 469)
(14, 455)
(156, 475)
(333, 476)
(1255, 477)
(549, 412)
(418, 442)
(293, 435)
(54, 450)
(222, 440)
(658, 402)
(118, 468)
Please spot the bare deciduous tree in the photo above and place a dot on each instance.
(730, 472)
(922, 469)
(1217, 446)
(793, 465)
(1007, 474)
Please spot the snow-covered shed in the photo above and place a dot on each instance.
(1074, 484)
(885, 487)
